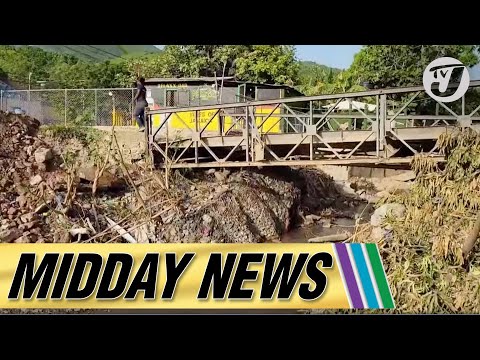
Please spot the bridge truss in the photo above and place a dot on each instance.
(397, 124)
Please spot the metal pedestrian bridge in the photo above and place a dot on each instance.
(383, 127)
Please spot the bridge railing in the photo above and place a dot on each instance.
(374, 124)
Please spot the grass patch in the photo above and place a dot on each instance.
(85, 134)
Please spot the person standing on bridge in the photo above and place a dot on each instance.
(140, 103)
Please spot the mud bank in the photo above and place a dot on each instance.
(251, 206)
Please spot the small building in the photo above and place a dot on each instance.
(185, 92)
(188, 92)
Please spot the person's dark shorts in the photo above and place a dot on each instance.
(139, 111)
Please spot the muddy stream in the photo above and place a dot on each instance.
(299, 234)
(337, 225)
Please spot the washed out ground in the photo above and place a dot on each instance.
(81, 185)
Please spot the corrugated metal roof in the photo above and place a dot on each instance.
(186, 80)
(227, 80)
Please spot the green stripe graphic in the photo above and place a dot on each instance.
(380, 276)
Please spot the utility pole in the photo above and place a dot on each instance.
(29, 88)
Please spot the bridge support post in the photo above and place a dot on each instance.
(315, 127)
(382, 119)
(196, 140)
(246, 134)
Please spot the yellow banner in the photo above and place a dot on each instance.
(186, 120)
(171, 276)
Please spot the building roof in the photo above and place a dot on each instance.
(227, 81)
(206, 79)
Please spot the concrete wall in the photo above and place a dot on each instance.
(343, 173)
(373, 172)
(131, 142)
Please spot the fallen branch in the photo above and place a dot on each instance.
(123, 233)
(99, 173)
(87, 220)
(328, 238)
(139, 225)
(125, 170)
(472, 238)
(107, 230)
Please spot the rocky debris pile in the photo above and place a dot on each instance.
(317, 188)
(372, 190)
(27, 176)
(45, 197)
(240, 207)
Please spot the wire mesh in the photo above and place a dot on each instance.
(87, 107)
(98, 107)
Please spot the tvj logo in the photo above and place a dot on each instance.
(440, 72)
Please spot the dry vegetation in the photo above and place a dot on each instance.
(425, 265)
(426, 268)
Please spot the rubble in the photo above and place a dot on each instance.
(35, 180)
(49, 193)
(42, 155)
(9, 235)
(396, 210)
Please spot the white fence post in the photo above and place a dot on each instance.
(96, 107)
(65, 107)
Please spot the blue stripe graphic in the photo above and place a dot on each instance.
(364, 276)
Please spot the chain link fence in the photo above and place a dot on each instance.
(90, 107)
(100, 107)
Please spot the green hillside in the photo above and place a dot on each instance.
(98, 53)
(311, 72)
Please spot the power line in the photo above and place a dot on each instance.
(103, 50)
(89, 52)
(77, 52)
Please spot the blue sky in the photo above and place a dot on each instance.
(338, 56)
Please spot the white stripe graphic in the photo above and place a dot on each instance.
(372, 276)
(357, 277)
(342, 275)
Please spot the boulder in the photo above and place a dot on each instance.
(107, 180)
(397, 210)
(43, 155)
(35, 180)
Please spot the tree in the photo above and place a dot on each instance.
(198, 60)
(402, 65)
(19, 63)
(316, 79)
(107, 74)
(265, 63)
(268, 64)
